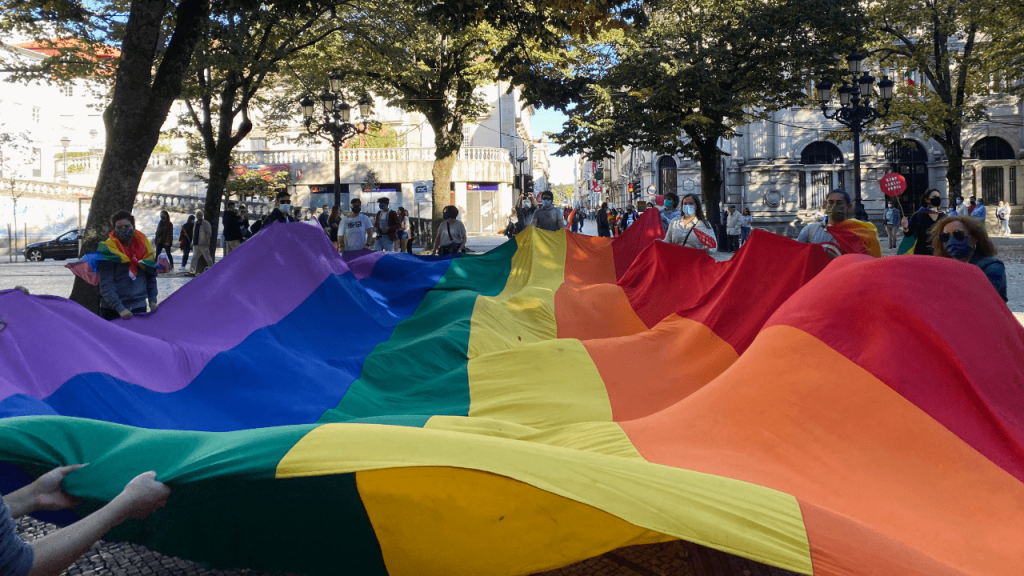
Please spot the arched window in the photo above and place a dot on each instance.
(992, 148)
(666, 175)
(821, 153)
(813, 195)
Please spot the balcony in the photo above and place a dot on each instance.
(178, 162)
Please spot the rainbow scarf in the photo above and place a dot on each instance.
(139, 252)
(856, 237)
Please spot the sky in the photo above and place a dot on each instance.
(548, 120)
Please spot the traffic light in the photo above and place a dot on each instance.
(528, 183)
(630, 188)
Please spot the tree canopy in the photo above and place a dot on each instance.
(951, 57)
(699, 69)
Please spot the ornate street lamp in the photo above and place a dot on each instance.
(336, 127)
(855, 110)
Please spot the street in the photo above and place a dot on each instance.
(52, 278)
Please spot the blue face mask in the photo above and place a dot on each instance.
(668, 203)
(958, 248)
(547, 203)
(689, 209)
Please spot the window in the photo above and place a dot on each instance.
(992, 184)
(37, 163)
(667, 175)
(35, 114)
(1013, 184)
(803, 190)
(821, 153)
(992, 148)
(256, 144)
(466, 137)
(821, 185)
(68, 90)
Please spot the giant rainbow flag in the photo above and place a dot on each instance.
(553, 399)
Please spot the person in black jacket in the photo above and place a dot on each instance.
(185, 240)
(283, 212)
(602, 221)
(232, 228)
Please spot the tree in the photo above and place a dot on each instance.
(155, 39)
(240, 50)
(700, 68)
(423, 69)
(262, 183)
(943, 40)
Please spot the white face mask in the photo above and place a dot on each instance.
(689, 209)
(286, 208)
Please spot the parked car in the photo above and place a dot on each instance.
(63, 247)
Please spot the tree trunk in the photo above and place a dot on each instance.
(954, 164)
(711, 182)
(442, 174)
(137, 110)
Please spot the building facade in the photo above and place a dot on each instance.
(782, 168)
(36, 118)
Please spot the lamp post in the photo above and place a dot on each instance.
(64, 142)
(335, 126)
(855, 110)
(522, 177)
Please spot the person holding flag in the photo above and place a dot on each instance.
(839, 234)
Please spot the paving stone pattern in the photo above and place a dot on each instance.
(668, 559)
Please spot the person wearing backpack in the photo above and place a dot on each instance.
(964, 238)
(386, 225)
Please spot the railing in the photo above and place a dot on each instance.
(91, 164)
(38, 188)
(187, 204)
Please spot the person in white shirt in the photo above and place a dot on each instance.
(692, 229)
(356, 227)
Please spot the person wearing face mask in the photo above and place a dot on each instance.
(126, 267)
(603, 229)
(386, 225)
(283, 211)
(840, 233)
(921, 223)
(671, 211)
(524, 211)
(964, 238)
(691, 229)
(547, 217)
(201, 235)
(892, 223)
(357, 228)
(961, 208)
(451, 234)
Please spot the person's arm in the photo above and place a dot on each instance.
(462, 230)
(108, 290)
(55, 552)
(804, 234)
(710, 232)
(996, 273)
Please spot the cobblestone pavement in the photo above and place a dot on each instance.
(668, 559)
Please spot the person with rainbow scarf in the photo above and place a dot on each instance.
(839, 234)
(126, 266)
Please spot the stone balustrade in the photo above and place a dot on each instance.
(55, 190)
(189, 204)
(177, 161)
